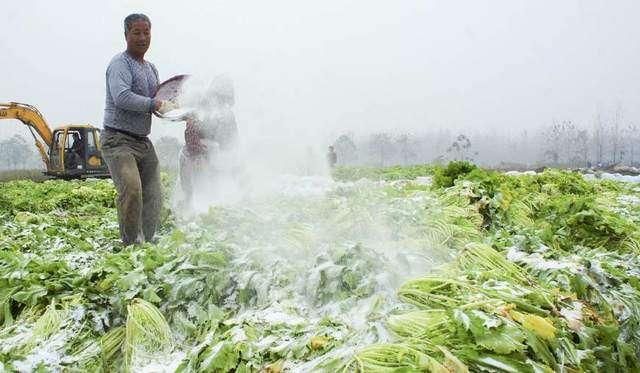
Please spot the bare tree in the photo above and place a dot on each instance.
(380, 146)
(599, 134)
(615, 134)
(17, 153)
(346, 149)
(460, 149)
(552, 144)
(581, 148)
(559, 144)
(630, 135)
(405, 144)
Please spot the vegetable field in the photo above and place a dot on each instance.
(417, 269)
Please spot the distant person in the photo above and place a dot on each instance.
(78, 145)
(332, 157)
(131, 82)
(212, 130)
(76, 152)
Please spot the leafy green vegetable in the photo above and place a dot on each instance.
(477, 271)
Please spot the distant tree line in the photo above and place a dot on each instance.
(604, 142)
(559, 144)
(18, 154)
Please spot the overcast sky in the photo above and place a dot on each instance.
(324, 67)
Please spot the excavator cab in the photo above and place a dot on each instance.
(68, 152)
(75, 153)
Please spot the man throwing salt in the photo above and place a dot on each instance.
(131, 82)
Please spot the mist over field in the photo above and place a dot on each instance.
(500, 73)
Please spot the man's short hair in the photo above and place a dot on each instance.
(131, 18)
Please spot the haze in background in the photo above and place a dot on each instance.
(308, 72)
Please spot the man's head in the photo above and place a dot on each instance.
(137, 32)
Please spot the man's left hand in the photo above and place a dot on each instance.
(166, 106)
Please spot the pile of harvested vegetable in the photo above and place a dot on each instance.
(443, 269)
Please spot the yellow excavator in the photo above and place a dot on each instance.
(68, 152)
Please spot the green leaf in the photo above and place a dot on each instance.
(495, 363)
(150, 296)
(221, 357)
(31, 295)
(131, 280)
(503, 340)
(491, 332)
(541, 349)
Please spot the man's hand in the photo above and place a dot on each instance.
(166, 106)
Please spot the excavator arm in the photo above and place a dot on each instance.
(32, 118)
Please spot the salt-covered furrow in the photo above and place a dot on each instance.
(318, 258)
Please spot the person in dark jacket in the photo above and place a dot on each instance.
(332, 157)
(76, 151)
